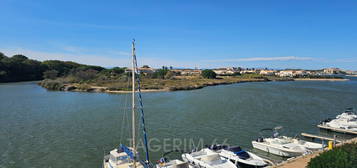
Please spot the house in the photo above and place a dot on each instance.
(300, 73)
(225, 71)
(188, 72)
(267, 72)
(143, 70)
(332, 70)
(286, 73)
(248, 71)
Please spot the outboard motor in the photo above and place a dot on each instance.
(260, 139)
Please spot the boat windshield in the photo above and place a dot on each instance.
(235, 149)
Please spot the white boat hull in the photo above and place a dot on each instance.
(253, 159)
(275, 150)
(207, 160)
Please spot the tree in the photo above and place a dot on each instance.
(86, 74)
(343, 156)
(2, 55)
(209, 74)
(50, 74)
(160, 73)
(169, 75)
(118, 70)
(145, 66)
(19, 58)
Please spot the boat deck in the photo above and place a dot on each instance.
(337, 129)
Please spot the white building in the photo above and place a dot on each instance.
(286, 73)
(332, 70)
(267, 72)
(225, 71)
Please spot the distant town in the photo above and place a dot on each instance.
(230, 71)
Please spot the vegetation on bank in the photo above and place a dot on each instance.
(208, 74)
(120, 81)
(20, 68)
(344, 156)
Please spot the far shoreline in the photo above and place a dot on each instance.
(98, 89)
(322, 79)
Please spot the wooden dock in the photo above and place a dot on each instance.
(337, 129)
(319, 137)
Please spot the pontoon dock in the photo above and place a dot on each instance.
(319, 137)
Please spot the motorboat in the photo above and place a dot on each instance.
(165, 162)
(239, 157)
(347, 120)
(278, 147)
(308, 145)
(172, 164)
(207, 158)
(285, 146)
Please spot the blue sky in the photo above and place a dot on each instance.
(308, 34)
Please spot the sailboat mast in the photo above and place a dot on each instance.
(133, 103)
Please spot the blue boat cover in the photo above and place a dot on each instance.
(239, 152)
(127, 151)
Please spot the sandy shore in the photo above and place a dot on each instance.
(144, 91)
(317, 79)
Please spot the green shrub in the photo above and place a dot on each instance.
(340, 157)
(52, 84)
(209, 74)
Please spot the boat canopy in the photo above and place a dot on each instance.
(127, 151)
(239, 152)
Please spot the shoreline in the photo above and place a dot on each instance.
(100, 89)
(320, 79)
(143, 91)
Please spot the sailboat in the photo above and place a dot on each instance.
(123, 156)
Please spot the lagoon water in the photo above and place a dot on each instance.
(40, 128)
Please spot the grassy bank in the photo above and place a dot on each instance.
(122, 85)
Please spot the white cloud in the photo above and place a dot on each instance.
(285, 58)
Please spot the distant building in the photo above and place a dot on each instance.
(332, 70)
(143, 70)
(300, 73)
(267, 72)
(286, 73)
(293, 73)
(250, 71)
(187, 72)
(225, 71)
(351, 72)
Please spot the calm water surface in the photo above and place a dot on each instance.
(39, 128)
